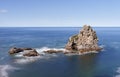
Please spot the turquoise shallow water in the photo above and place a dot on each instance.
(102, 64)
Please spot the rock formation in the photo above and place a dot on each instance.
(53, 51)
(15, 50)
(30, 51)
(85, 41)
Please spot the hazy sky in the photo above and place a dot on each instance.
(62, 13)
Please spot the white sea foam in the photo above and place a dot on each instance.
(24, 60)
(102, 46)
(118, 71)
(20, 59)
(21, 54)
(41, 50)
(4, 70)
(46, 56)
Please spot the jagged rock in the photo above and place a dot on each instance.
(15, 50)
(85, 41)
(53, 51)
(30, 53)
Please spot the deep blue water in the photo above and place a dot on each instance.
(103, 64)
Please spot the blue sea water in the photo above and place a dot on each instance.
(103, 64)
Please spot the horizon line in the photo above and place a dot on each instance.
(55, 26)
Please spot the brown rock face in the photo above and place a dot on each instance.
(53, 51)
(27, 48)
(15, 50)
(85, 41)
(31, 53)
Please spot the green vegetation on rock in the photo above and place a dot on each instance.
(73, 38)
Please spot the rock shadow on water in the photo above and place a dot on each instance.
(88, 64)
(83, 65)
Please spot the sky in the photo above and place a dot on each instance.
(59, 13)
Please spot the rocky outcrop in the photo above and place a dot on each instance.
(53, 51)
(27, 48)
(29, 51)
(15, 50)
(85, 41)
(32, 52)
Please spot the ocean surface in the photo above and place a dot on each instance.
(103, 64)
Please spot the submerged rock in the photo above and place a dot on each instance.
(85, 41)
(32, 52)
(70, 52)
(53, 51)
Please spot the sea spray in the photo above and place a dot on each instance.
(41, 50)
(20, 59)
(4, 69)
(118, 71)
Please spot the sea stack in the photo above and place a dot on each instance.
(86, 40)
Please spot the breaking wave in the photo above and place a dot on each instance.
(20, 59)
(40, 50)
(4, 70)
